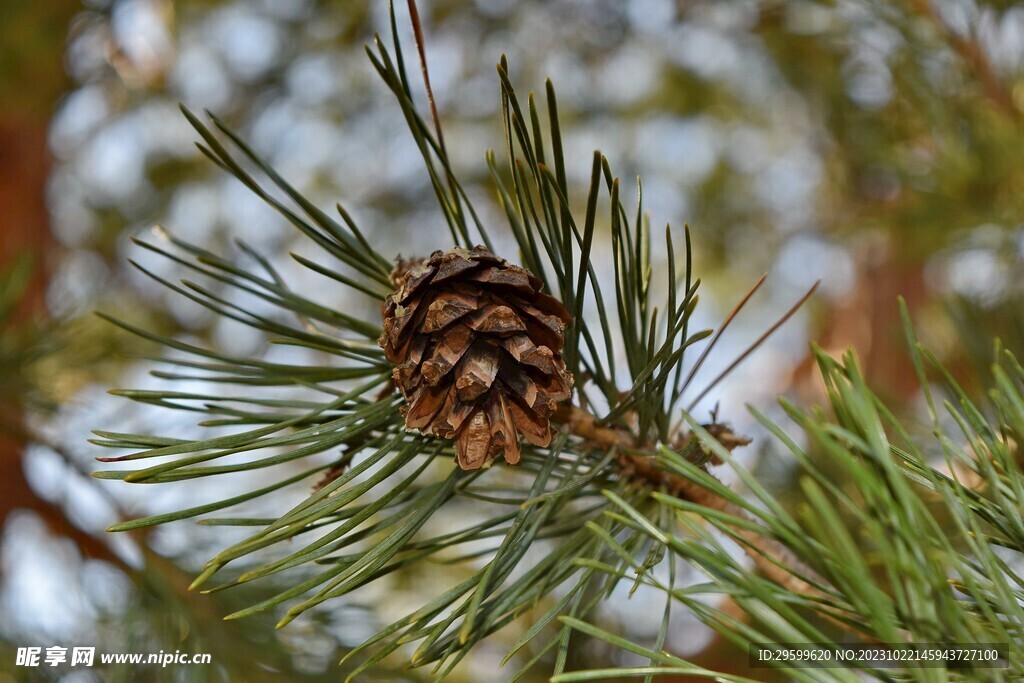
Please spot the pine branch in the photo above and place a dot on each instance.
(771, 558)
(611, 496)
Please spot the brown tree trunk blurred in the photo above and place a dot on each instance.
(32, 44)
(868, 320)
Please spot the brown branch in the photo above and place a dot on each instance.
(769, 556)
(417, 28)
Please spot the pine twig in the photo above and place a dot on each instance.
(768, 555)
(417, 28)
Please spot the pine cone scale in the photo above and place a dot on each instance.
(447, 354)
(476, 347)
(474, 442)
(425, 406)
(451, 267)
(532, 427)
(496, 319)
(445, 309)
(477, 372)
(517, 281)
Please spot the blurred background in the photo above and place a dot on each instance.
(877, 146)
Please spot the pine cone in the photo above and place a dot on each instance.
(476, 346)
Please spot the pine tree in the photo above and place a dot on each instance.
(899, 535)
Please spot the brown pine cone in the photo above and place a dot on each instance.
(476, 346)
